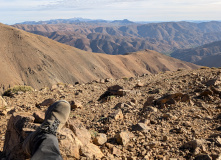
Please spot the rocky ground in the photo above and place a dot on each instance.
(169, 116)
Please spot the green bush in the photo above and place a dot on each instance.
(17, 89)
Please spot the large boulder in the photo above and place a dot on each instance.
(74, 139)
(16, 132)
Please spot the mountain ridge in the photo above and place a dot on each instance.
(30, 59)
(162, 37)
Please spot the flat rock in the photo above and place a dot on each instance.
(141, 127)
(47, 102)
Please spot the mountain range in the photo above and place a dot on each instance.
(125, 37)
(38, 61)
(80, 21)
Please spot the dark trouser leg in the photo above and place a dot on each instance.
(46, 148)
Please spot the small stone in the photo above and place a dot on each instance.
(141, 127)
(122, 106)
(102, 81)
(149, 101)
(108, 80)
(154, 144)
(194, 144)
(185, 98)
(118, 114)
(116, 151)
(134, 100)
(100, 139)
(121, 92)
(47, 102)
(109, 145)
(54, 87)
(39, 116)
(203, 157)
(218, 141)
(145, 121)
(208, 118)
(165, 138)
(150, 109)
(207, 92)
(139, 84)
(123, 138)
(131, 104)
(75, 104)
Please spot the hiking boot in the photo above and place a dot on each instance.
(55, 118)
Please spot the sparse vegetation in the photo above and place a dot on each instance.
(204, 67)
(125, 78)
(93, 133)
(17, 89)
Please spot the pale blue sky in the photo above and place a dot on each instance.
(14, 11)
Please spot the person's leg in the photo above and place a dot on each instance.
(47, 149)
(43, 144)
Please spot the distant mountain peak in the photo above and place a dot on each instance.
(124, 21)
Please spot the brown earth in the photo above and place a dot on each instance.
(119, 39)
(29, 59)
(174, 115)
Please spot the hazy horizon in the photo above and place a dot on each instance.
(17, 11)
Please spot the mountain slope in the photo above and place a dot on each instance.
(38, 61)
(211, 61)
(106, 38)
(208, 54)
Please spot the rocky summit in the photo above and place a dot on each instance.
(174, 115)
